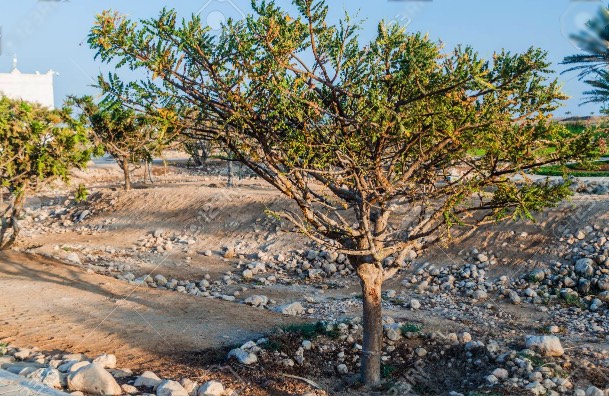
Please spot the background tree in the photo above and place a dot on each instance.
(593, 41)
(199, 149)
(127, 135)
(593, 62)
(362, 137)
(38, 146)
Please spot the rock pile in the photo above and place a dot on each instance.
(77, 374)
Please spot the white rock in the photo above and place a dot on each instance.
(95, 380)
(48, 376)
(501, 373)
(129, 389)
(491, 379)
(189, 385)
(106, 360)
(74, 356)
(257, 300)
(342, 369)
(244, 357)
(306, 344)
(73, 258)
(293, 309)
(65, 367)
(415, 304)
(78, 365)
(22, 354)
(536, 388)
(170, 388)
(148, 378)
(546, 345)
(393, 334)
(211, 388)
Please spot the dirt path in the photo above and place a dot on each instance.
(57, 307)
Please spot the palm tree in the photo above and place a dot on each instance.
(594, 42)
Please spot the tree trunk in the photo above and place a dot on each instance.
(125, 167)
(149, 167)
(229, 182)
(145, 171)
(371, 278)
(11, 222)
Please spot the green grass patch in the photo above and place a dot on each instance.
(536, 361)
(387, 370)
(597, 169)
(572, 300)
(410, 328)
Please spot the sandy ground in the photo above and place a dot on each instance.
(53, 306)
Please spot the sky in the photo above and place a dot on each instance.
(52, 34)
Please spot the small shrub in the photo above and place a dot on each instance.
(410, 328)
(535, 360)
(387, 370)
(306, 330)
(81, 193)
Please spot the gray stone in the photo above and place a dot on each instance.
(501, 373)
(47, 376)
(342, 369)
(160, 280)
(584, 267)
(536, 388)
(594, 391)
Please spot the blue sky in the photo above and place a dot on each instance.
(52, 34)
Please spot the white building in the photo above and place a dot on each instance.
(30, 87)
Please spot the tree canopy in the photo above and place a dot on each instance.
(384, 146)
(38, 145)
(128, 136)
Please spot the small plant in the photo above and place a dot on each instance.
(410, 328)
(387, 370)
(81, 193)
(3, 348)
(306, 330)
(535, 360)
(273, 345)
(573, 301)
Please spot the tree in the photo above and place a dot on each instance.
(128, 136)
(361, 137)
(198, 149)
(592, 63)
(594, 44)
(38, 146)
